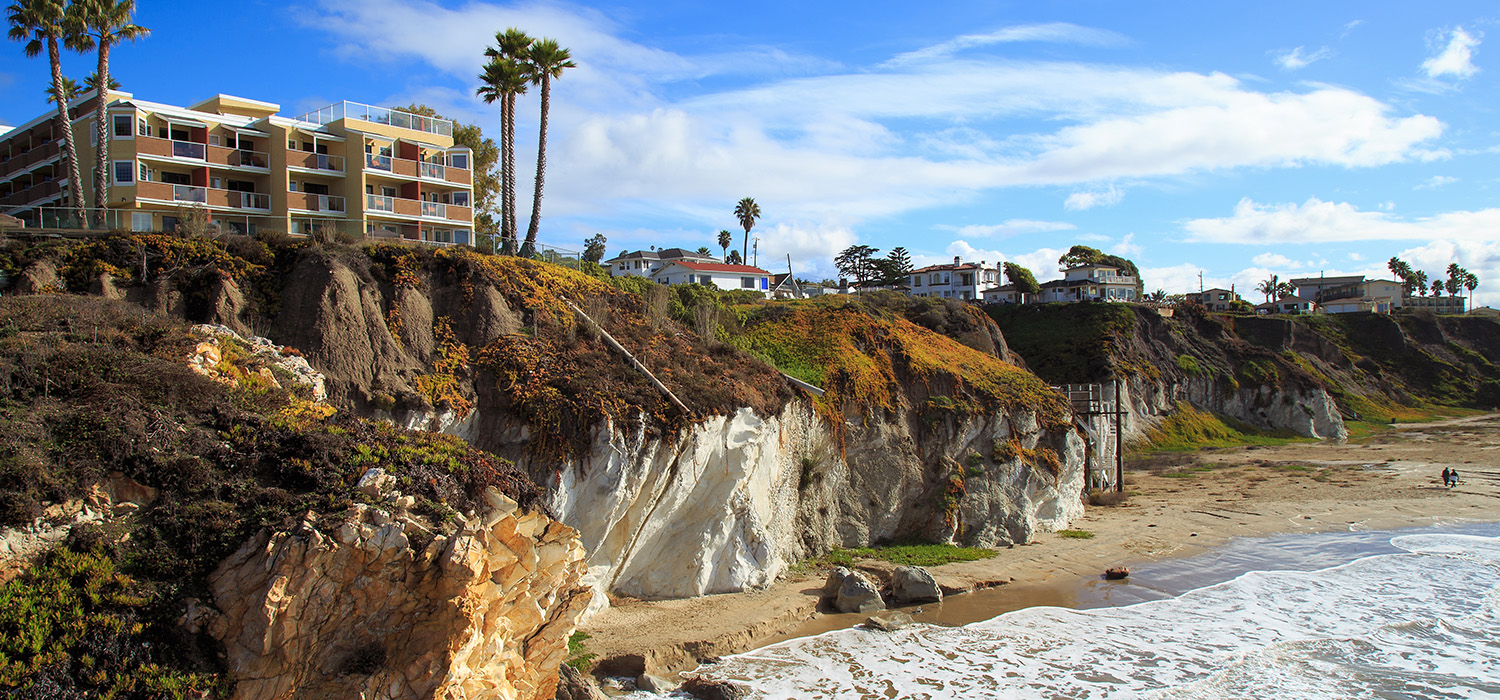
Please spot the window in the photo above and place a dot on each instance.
(179, 134)
(124, 172)
(144, 175)
(916, 280)
(291, 144)
(215, 140)
(176, 179)
(122, 126)
(690, 279)
(459, 160)
(142, 128)
(461, 199)
(291, 186)
(747, 283)
(140, 221)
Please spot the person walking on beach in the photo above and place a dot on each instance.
(1452, 478)
(1446, 474)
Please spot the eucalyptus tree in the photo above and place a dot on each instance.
(42, 24)
(548, 61)
(1025, 283)
(100, 25)
(747, 211)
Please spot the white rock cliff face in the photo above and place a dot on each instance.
(730, 502)
(1307, 412)
(380, 606)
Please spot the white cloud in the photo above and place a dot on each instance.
(1295, 59)
(1011, 227)
(1435, 182)
(1127, 247)
(1349, 27)
(1079, 201)
(1042, 261)
(1056, 32)
(1318, 221)
(1456, 57)
(1482, 257)
(1178, 279)
(1356, 257)
(813, 141)
(1276, 260)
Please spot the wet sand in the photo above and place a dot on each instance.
(1181, 506)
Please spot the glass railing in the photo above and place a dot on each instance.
(251, 200)
(375, 202)
(250, 159)
(377, 162)
(431, 170)
(330, 163)
(435, 209)
(328, 202)
(378, 115)
(188, 149)
(189, 193)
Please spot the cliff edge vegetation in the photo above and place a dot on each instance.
(97, 400)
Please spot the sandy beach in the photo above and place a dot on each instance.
(1181, 504)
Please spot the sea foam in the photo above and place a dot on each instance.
(1417, 624)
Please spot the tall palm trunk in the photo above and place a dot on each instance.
(541, 167)
(101, 130)
(509, 170)
(65, 125)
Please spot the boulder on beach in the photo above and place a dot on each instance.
(858, 594)
(889, 623)
(1117, 573)
(914, 584)
(714, 690)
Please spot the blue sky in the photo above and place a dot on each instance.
(1232, 139)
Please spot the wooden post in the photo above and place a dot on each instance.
(1119, 441)
(610, 341)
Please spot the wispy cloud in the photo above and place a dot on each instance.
(1055, 32)
(1274, 260)
(1349, 27)
(1317, 221)
(1295, 59)
(1079, 201)
(1435, 182)
(1011, 227)
(1456, 58)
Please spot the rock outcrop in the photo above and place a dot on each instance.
(913, 584)
(384, 605)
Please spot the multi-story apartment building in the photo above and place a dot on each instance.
(960, 280)
(365, 170)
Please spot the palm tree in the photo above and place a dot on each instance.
(100, 25)
(725, 238)
(1402, 271)
(704, 251)
(1270, 287)
(70, 90)
(747, 211)
(42, 24)
(548, 61)
(1470, 282)
(503, 79)
(92, 82)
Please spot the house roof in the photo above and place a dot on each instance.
(1217, 290)
(663, 254)
(1327, 281)
(950, 267)
(715, 267)
(1094, 266)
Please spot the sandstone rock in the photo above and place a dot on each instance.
(573, 684)
(358, 613)
(889, 623)
(714, 690)
(913, 584)
(835, 581)
(375, 483)
(858, 594)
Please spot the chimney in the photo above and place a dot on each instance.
(956, 260)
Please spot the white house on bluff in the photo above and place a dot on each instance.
(960, 280)
(644, 263)
(715, 273)
(1091, 283)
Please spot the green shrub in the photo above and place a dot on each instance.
(1075, 534)
(1189, 365)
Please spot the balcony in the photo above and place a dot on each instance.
(416, 168)
(167, 148)
(237, 158)
(40, 190)
(418, 208)
(193, 194)
(378, 115)
(315, 161)
(19, 162)
(303, 201)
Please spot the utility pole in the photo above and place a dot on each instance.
(1200, 281)
(755, 252)
(1119, 441)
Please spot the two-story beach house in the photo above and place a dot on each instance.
(1092, 283)
(717, 274)
(645, 263)
(961, 280)
(353, 167)
(1215, 299)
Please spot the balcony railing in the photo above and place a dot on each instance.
(188, 149)
(189, 193)
(435, 209)
(377, 162)
(375, 202)
(378, 115)
(431, 170)
(21, 161)
(315, 202)
(315, 161)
